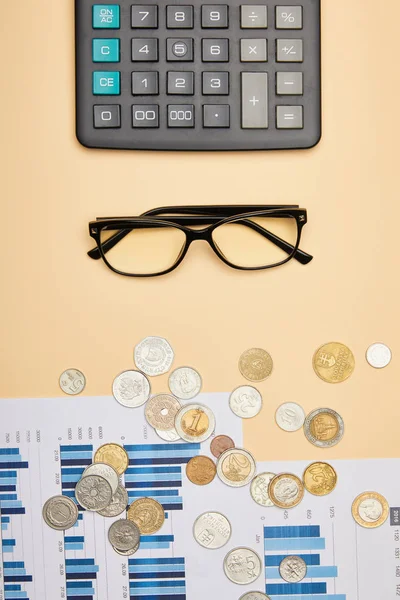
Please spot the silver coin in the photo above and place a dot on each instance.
(60, 512)
(72, 382)
(290, 416)
(161, 410)
(185, 383)
(93, 492)
(154, 356)
(259, 489)
(292, 569)
(212, 530)
(236, 467)
(245, 401)
(126, 552)
(106, 471)
(242, 566)
(124, 535)
(254, 596)
(119, 502)
(323, 427)
(195, 422)
(379, 355)
(169, 436)
(131, 389)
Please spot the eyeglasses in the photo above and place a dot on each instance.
(244, 237)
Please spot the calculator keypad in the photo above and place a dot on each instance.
(200, 76)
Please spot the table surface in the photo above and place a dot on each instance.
(60, 309)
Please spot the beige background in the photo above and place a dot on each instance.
(60, 309)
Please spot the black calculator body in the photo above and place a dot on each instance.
(185, 75)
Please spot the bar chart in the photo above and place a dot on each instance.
(301, 540)
(157, 578)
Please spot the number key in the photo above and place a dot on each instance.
(144, 83)
(144, 16)
(145, 115)
(215, 50)
(180, 82)
(214, 15)
(216, 83)
(180, 17)
(144, 50)
(180, 115)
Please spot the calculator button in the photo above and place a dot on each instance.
(145, 115)
(180, 49)
(289, 17)
(180, 115)
(289, 50)
(288, 83)
(216, 115)
(144, 16)
(214, 16)
(254, 100)
(107, 116)
(215, 83)
(253, 17)
(105, 50)
(253, 50)
(289, 117)
(180, 82)
(215, 50)
(180, 17)
(106, 83)
(144, 50)
(106, 16)
(144, 83)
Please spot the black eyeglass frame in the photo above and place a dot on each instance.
(183, 217)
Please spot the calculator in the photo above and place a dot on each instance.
(183, 75)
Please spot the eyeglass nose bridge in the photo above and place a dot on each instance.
(199, 234)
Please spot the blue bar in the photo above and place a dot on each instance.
(157, 575)
(157, 545)
(172, 506)
(17, 578)
(81, 592)
(9, 481)
(12, 595)
(8, 542)
(69, 493)
(142, 492)
(71, 478)
(71, 546)
(12, 587)
(157, 561)
(316, 597)
(9, 450)
(151, 584)
(76, 455)
(274, 560)
(79, 561)
(161, 499)
(69, 462)
(153, 477)
(14, 465)
(5, 519)
(156, 538)
(162, 454)
(8, 497)
(12, 474)
(82, 569)
(73, 538)
(8, 488)
(5, 458)
(295, 544)
(12, 511)
(312, 572)
(150, 470)
(7, 549)
(76, 448)
(292, 531)
(161, 447)
(72, 471)
(78, 584)
(153, 484)
(4, 527)
(143, 596)
(80, 517)
(159, 461)
(279, 589)
(10, 503)
(159, 568)
(14, 572)
(14, 564)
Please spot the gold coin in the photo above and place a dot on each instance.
(114, 455)
(319, 478)
(333, 362)
(147, 514)
(201, 470)
(255, 364)
(236, 467)
(286, 490)
(370, 510)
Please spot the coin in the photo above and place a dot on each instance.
(290, 416)
(333, 362)
(185, 383)
(221, 443)
(154, 356)
(319, 478)
(114, 455)
(212, 530)
(242, 565)
(148, 514)
(161, 410)
(324, 427)
(255, 364)
(236, 467)
(286, 490)
(119, 502)
(195, 422)
(379, 355)
(169, 436)
(259, 489)
(245, 401)
(106, 471)
(254, 596)
(93, 492)
(126, 552)
(131, 389)
(201, 470)
(72, 382)
(370, 509)
(60, 512)
(124, 535)
(292, 569)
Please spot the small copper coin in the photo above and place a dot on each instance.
(221, 443)
(201, 470)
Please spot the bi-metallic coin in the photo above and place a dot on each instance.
(370, 510)
(324, 427)
(236, 467)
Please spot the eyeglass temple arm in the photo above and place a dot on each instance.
(218, 210)
(300, 256)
